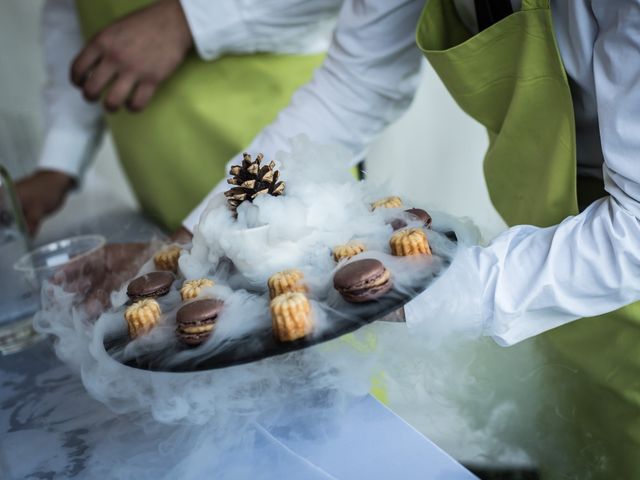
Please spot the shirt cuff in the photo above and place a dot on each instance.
(213, 25)
(529, 324)
(68, 151)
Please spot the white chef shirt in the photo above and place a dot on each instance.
(534, 279)
(73, 126)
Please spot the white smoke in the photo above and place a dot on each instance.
(323, 207)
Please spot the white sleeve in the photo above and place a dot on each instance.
(536, 279)
(72, 126)
(367, 80)
(249, 26)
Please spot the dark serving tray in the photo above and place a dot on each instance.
(261, 344)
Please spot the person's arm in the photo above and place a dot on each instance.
(126, 62)
(250, 26)
(529, 280)
(367, 80)
(72, 127)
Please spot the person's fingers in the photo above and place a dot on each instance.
(33, 217)
(84, 63)
(120, 91)
(141, 96)
(99, 78)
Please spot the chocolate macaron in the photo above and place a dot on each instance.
(150, 285)
(416, 214)
(362, 280)
(196, 320)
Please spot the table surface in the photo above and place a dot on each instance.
(51, 428)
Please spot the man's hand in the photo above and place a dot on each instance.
(41, 194)
(130, 58)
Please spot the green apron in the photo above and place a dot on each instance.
(175, 151)
(510, 78)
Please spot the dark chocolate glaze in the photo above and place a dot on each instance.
(367, 294)
(356, 275)
(200, 312)
(357, 280)
(416, 214)
(420, 215)
(154, 284)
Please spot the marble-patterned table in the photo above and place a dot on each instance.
(50, 428)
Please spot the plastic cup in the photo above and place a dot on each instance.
(62, 260)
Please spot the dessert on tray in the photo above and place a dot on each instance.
(416, 214)
(196, 320)
(387, 202)
(192, 288)
(142, 316)
(348, 250)
(409, 241)
(150, 285)
(363, 280)
(167, 258)
(287, 281)
(274, 269)
(291, 316)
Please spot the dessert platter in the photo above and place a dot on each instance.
(256, 284)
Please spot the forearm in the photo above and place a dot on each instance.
(536, 279)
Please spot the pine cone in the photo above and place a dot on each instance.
(251, 179)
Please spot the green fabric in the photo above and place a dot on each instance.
(510, 78)
(175, 151)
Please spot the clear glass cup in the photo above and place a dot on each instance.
(64, 262)
(61, 261)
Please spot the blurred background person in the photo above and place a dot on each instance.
(199, 106)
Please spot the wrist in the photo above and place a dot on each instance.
(183, 31)
(58, 181)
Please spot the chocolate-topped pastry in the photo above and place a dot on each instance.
(415, 214)
(196, 320)
(362, 280)
(420, 215)
(154, 284)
